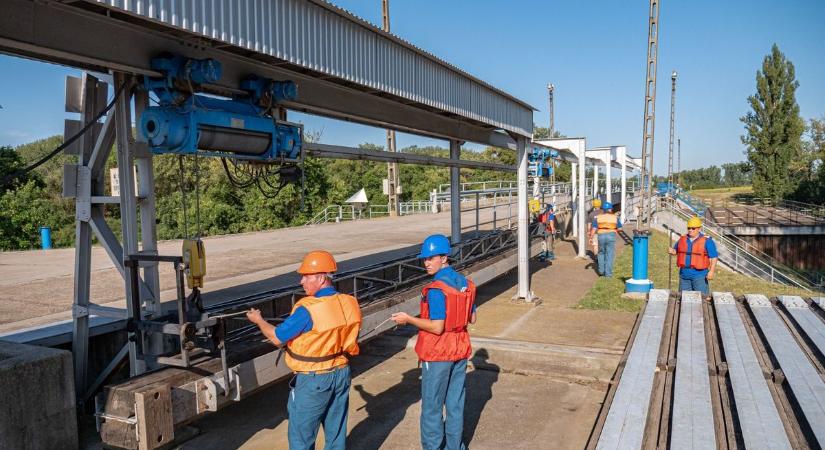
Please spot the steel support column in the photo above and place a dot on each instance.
(608, 183)
(622, 154)
(574, 195)
(83, 238)
(595, 180)
(128, 203)
(582, 238)
(523, 224)
(455, 194)
(148, 227)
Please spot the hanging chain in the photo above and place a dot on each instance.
(198, 194)
(183, 197)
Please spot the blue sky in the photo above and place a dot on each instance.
(594, 53)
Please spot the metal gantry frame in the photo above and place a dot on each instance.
(81, 35)
(574, 151)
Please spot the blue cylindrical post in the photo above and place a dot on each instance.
(45, 238)
(639, 282)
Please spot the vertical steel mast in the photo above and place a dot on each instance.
(672, 127)
(551, 127)
(392, 168)
(649, 114)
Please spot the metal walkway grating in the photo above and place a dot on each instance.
(732, 373)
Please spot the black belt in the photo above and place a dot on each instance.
(316, 359)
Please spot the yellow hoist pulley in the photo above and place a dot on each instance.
(194, 258)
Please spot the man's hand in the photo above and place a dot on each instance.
(671, 250)
(711, 274)
(400, 318)
(254, 316)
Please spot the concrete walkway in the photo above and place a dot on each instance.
(536, 380)
(36, 286)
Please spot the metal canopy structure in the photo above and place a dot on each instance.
(345, 67)
(573, 150)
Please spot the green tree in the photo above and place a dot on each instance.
(773, 127)
(810, 164)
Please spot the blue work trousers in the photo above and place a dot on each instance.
(316, 399)
(694, 284)
(607, 252)
(442, 384)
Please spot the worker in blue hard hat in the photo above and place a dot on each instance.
(605, 226)
(443, 347)
(548, 219)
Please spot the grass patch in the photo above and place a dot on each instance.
(606, 293)
(721, 194)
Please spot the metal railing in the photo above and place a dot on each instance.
(743, 257)
(772, 212)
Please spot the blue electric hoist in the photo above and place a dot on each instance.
(243, 127)
(540, 162)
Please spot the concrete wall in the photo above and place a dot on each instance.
(37, 399)
(795, 250)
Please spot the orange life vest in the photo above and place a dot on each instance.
(336, 321)
(454, 343)
(699, 259)
(607, 222)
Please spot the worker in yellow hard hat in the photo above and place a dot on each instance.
(594, 242)
(320, 334)
(696, 256)
(604, 228)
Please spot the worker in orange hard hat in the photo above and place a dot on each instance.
(320, 334)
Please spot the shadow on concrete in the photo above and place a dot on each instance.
(479, 385)
(385, 410)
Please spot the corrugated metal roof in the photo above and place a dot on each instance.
(324, 38)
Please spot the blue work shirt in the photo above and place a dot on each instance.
(300, 321)
(436, 298)
(688, 272)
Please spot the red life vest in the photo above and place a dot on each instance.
(699, 259)
(543, 218)
(454, 343)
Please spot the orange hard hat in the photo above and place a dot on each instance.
(318, 261)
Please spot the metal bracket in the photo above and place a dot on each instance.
(79, 311)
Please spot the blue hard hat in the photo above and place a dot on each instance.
(435, 244)
(607, 205)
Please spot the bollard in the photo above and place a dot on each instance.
(639, 283)
(45, 238)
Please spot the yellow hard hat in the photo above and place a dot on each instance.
(597, 203)
(694, 222)
(318, 261)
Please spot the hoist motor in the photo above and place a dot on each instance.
(540, 162)
(244, 127)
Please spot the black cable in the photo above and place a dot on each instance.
(67, 142)
(234, 181)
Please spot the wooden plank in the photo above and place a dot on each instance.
(625, 423)
(806, 319)
(153, 411)
(804, 381)
(759, 419)
(693, 426)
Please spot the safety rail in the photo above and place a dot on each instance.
(774, 211)
(744, 258)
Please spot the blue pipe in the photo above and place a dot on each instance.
(639, 282)
(45, 238)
